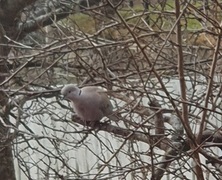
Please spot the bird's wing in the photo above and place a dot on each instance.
(105, 104)
(91, 89)
(99, 96)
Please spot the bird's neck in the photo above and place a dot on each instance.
(77, 96)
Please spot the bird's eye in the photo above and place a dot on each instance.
(69, 91)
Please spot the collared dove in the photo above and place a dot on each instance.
(90, 103)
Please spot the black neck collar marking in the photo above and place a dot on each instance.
(80, 91)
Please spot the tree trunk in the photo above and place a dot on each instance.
(7, 171)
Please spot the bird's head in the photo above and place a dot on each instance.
(70, 92)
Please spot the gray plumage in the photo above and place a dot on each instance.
(90, 103)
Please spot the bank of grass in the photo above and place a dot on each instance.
(82, 22)
(155, 19)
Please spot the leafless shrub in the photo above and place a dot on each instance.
(161, 69)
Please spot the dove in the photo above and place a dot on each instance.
(90, 103)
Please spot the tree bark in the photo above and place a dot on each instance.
(9, 10)
(6, 157)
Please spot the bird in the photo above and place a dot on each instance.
(90, 103)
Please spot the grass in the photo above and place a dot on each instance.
(87, 23)
(82, 22)
(193, 24)
(158, 21)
